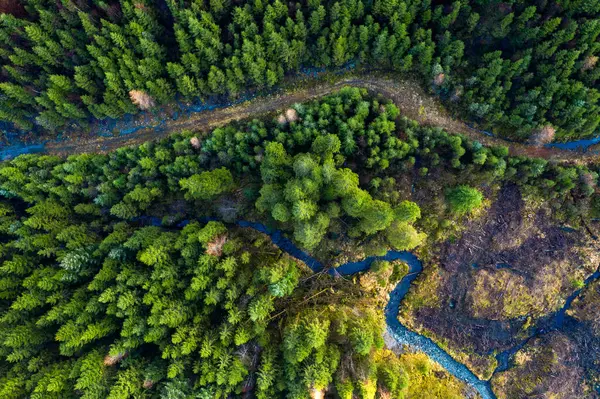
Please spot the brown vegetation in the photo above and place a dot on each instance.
(291, 115)
(141, 99)
(543, 135)
(148, 384)
(545, 368)
(13, 7)
(406, 95)
(586, 308)
(317, 393)
(502, 294)
(111, 360)
(215, 247)
(589, 62)
(509, 267)
(195, 142)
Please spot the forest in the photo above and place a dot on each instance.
(97, 302)
(529, 69)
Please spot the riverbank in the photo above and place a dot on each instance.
(408, 96)
(399, 332)
(505, 282)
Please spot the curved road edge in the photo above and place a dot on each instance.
(408, 96)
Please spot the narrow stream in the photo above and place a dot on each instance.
(157, 120)
(581, 145)
(399, 332)
(127, 125)
(547, 324)
(407, 337)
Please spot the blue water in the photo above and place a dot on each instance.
(550, 323)
(484, 132)
(578, 145)
(399, 332)
(553, 322)
(407, 337)
(153, 119)
(126, 125)
(15, 150)
(129, 124)
(360, 266)
(567, 229)
(284, 244)
(404, 336)
(277, 238)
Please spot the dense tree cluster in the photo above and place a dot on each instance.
(96, 304)
(120, 311)
(365, 128)
(519, 65)
(310, 189)
(572, 190)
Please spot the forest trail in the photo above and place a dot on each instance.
(412, 101)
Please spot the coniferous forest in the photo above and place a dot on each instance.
(528, 68)
(97, 302)
(346, 243)
(124, 275)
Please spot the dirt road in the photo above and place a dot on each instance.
(412, 101)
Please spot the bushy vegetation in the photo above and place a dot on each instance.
(526, 67)
(571, 190)
(148, 312)
(464, 199)
(365, 129)
(94, 303)
(309, 189)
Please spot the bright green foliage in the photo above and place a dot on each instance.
(464, 199)
(362, 125)
(520, 66)
(303, 191)
(145, 311)
(100, 300)
(98, 320)
(105, 294)
(315, 343)
(403, 236)
(407, 212)
(207, 185)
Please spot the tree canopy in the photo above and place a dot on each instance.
(118, 278)
(518, 67)
(464, 199)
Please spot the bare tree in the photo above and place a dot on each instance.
(141, 99)
(543, 135)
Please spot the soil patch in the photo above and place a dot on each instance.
(410, 98)
(509, 268)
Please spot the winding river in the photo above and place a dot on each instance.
(399, 332)
(149, 126)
